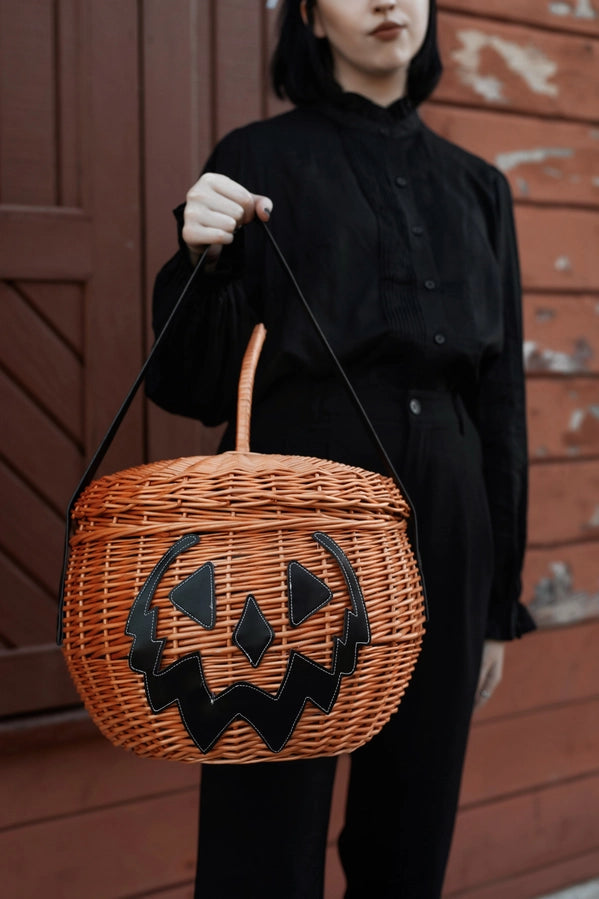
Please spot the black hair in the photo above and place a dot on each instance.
(302, 64)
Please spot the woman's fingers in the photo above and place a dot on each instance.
(216, 207)
(207, 227)
(263, 206)
(491, 671)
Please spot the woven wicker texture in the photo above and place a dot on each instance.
(254, 514)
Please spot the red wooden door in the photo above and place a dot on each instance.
(70, 314)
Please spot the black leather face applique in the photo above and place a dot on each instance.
(206, 715)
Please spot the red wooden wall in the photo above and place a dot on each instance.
(107, 111)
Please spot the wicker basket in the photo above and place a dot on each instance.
(241, 607)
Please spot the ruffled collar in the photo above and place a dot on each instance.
(356, 111)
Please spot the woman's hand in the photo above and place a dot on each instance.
(491, 671)
(217, 207)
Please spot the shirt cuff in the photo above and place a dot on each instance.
(509, 623)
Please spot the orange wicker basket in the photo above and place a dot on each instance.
(241, 607)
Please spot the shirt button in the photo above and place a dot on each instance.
(401, 182)
(415, 407)
(439, 339)
(417, 229)
(430, 285)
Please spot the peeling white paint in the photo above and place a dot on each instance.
(583, 9)
(523, 188)
(557, 362)
(594, 519)
(530, 63)
(563, 264)
(595, 180)
(576, 419)
(556, 602)
(588, 890)
(508, 161)
(545, 315)
(552, 172)
(582, 429)
(560, 9)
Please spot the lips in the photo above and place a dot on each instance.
(387, 29)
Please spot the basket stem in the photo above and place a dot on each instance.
(246, 387)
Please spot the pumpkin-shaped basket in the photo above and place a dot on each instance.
(241, 607)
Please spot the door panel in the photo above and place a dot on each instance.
(70, 301)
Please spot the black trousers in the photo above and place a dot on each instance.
(263, 827)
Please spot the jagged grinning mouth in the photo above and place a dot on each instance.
(207, 716)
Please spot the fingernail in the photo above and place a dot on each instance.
(268, 211)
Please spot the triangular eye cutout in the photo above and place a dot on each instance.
(195, 596)
(307, 593)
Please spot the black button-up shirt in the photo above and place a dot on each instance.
(404, 246)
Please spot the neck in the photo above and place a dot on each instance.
(382, 90)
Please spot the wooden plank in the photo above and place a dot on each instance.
(27, 85)
(539, 882)
(561, 334)
(32, 534)
(178, 121)
(42, 363)
(133, 849)
(26, 429)
(83, 776)
(50, 729)
(61, 304)
(35, 678)
(512, 68)
(545, 160)
(558, 248)
(564, 502)
(179, 135)
(509, 837)
(545, 669)
(70, 105)
(238, 65)
(114, 305)
(561, 585)
(575, 15)
(563, 418)
(61, 238)
(27, 612)
(520, 753)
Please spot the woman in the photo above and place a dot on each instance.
(404, 245)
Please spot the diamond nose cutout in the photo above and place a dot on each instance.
(253, 634)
